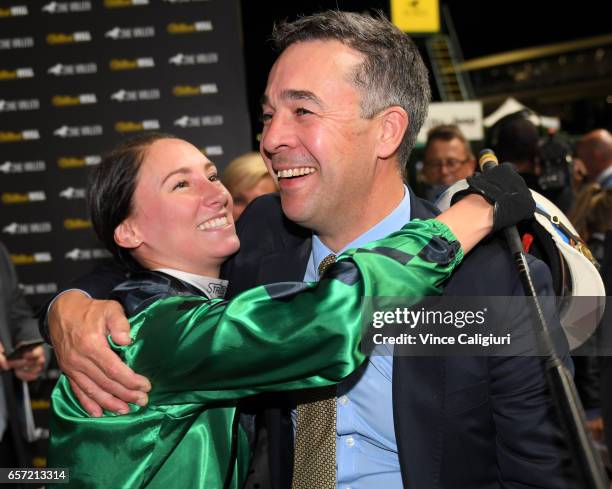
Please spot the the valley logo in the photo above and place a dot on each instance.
(40, 288)
(86, 254)
(199, 121)
(119, 33)
(19, 105)
(17, 43)
(78, 131)
(31, 258)
(61, 69)
(181, 59)
(73, 193)
(66, 7)
(22, 166)
(122, 95)
(27, 228)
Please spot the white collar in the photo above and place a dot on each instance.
(213, 288)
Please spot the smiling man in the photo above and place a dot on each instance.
(341, 111)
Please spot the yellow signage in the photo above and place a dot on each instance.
(9, 137)
(23, 259)
(70, 162)
(416, 16)
(185, 90)
(8, 74)
(64, 100)
(129, 126)
(77, 223)
(123, 64)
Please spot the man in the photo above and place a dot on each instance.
(447, 157)
(17, 325)
(342, 108)
(595, 150)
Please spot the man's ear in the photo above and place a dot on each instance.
(394, 124)
(127, 236)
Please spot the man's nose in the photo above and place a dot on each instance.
(278, 134)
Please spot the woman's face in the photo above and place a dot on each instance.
(182, 215)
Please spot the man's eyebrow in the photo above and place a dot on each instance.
(185, 170)
(295, 95)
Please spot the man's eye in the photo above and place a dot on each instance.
(302, 111)
(180, 184)
(265, 117)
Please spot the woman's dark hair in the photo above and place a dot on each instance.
(111, 189)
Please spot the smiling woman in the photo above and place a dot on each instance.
(158, 205)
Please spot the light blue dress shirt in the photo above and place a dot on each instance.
(366, 449)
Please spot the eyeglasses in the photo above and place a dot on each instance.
(452, 164)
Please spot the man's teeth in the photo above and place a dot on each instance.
(213, 223)
(294, 172)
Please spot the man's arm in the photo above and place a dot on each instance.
(78, 328)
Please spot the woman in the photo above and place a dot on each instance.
(157, 202)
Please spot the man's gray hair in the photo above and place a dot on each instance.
(393, 72)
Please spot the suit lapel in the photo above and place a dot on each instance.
(286, 265)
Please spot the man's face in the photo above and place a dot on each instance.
(447, 162)
(314, 141)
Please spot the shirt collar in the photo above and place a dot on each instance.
(393, 222)
(212, 288)
(604, 175)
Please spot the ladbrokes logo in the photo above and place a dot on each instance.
(19, 105)
(13, 11)
(180, 59)
(72, 193)
(18, 136)
(189, 28)
(68, 100)
(90, 254)
(134, 126)
(78, 131)
(74, 224)
(135, 95)
(124, 3)
(119, 33)
(192, 90)
(78, 161)
(54, 38)
(203, 121)
(30, 259)
(131, 64)
(66, 7)
(25, 72)
(212, 150)
(23, 198)
(22, 166)
(17, 43)
(60, 69)
(27, 228)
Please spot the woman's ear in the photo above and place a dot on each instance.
(126, 236)
(394, 124)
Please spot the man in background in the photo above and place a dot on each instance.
(447, 158)
(595, 150)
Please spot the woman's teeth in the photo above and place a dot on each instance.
(213, 223)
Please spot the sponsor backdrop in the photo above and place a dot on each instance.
(78, 76)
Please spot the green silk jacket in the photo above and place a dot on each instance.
(202, 355)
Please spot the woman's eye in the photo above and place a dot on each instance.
(213, 178)
(180, 184)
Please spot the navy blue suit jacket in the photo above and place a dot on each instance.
(460, 422)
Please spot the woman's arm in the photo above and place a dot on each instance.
(470, 220)
(287, 335)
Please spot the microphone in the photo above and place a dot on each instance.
(487, 160)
